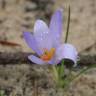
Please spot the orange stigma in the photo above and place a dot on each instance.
(47, 55)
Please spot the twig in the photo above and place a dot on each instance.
(7, 43)
(22, 57)
(14, 58)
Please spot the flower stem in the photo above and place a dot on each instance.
(68, 25)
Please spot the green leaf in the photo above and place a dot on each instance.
(55, 72)
(61, 69)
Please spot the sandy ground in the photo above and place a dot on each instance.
(83, 22)
(18, 80)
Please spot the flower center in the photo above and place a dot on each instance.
(48, 54)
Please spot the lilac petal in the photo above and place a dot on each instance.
(30, 40)
(54, 61)
(56, 27)
(36, 60)
(67, 51)
(42, 36)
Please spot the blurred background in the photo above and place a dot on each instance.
(17, 16)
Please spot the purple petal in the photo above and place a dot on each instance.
(54, 61)
(30, 40)
(42, 36)
(67, 51)
(56, 27)
(36, 60)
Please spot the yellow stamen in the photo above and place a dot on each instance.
(47, 54)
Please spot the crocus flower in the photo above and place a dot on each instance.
(46, 42)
